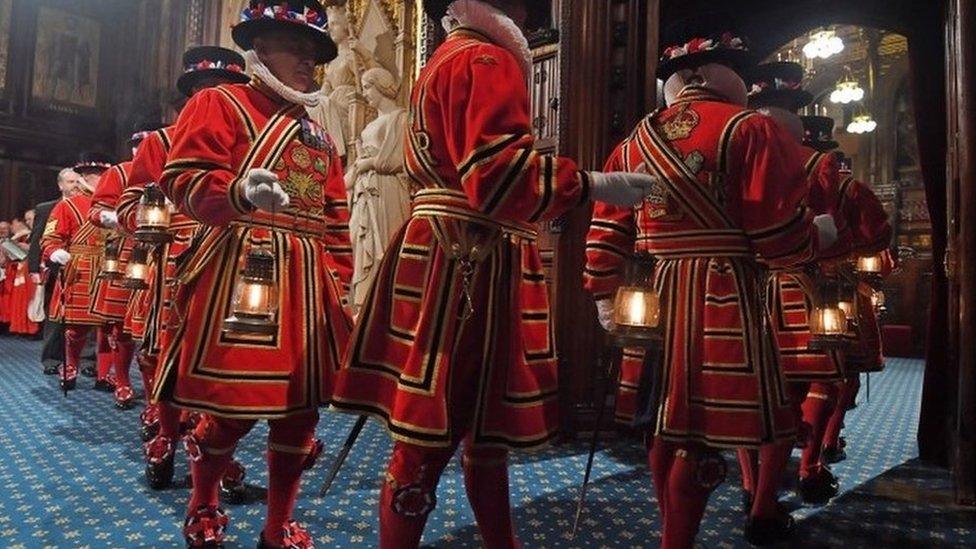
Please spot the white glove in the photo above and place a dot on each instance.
(110, 220)
(826, 229)
(61, 257)
(620, 188)
(604, 313)
(262, 189)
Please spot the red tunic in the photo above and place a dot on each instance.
(221, 135)
(708, 220)
(156, 301)
(791, 292)
(68, 229)
(111, 300)
(470, 150)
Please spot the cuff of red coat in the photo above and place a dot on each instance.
(584, 178)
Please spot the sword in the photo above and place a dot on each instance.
(608, 383)
(343, 454)
(62, 278)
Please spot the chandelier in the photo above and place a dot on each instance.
(823, 44)
(862, 123)
(847, 89)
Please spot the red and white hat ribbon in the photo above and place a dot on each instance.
(777, 84)
(310, 17)
(698, 45)
(206, 64)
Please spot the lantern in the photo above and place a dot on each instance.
(869, 268)
(137, 269)
(254, 306)
(878, 302)
(111, 266)
(637, 306)
(833, 314)
(153, 217)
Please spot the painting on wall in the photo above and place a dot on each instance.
(6, 8)
(66, 60)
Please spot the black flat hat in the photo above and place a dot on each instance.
(539, 11)
(92, 162)
(704, 38)
(210, 62)
(818, 133)
(303, 16)
(777, 84)
(142, 129)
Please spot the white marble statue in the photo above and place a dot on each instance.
(378, 187)
(340, 86)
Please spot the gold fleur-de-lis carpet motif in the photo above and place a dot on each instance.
(71, 475)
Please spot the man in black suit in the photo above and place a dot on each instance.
(52, 350)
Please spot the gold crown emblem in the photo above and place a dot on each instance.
(681, 125)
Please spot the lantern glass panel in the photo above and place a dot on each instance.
(111, 266)
(637, 306)
(636, 314)
(137, 269)
(254, 304)
(870, 264)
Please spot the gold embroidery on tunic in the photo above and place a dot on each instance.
(695, 161)
(681, 124)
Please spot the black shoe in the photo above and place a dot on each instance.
(833, 455)
(159, 469)
(818, 488)
(765, 531)
(205, 527)
(51, 369)
(148, 432)
(233, 493)
(232, 487)
(159, 476)
(88, 371)
(104, 386)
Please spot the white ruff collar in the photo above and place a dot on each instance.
(264, 74)
(494, 24)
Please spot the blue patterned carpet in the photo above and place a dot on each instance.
(71, 476)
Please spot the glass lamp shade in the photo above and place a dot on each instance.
(832, 315)
(111, 266)
(869, 268)
(878, 302)
(849, 307)
(153, 216)
(137, 269)
(637, 306)
(254, 307)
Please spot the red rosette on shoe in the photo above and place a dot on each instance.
(205, 527)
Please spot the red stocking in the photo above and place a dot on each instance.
(660, 456)
(486, 481)
(211, 447)
(74, 343)
(147, 370)
(290, 443)
(816, 411)
(749, 464)
(104, 352)
(124, 349)
(693, 476)
(409, 493)
(169, 420)
(772, 462)
(846, 392)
